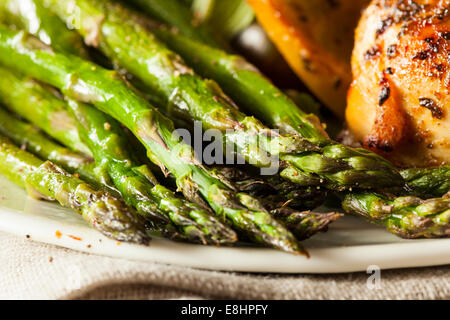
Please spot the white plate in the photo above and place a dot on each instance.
(351, 244)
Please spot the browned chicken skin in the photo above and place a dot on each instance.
(399, 101)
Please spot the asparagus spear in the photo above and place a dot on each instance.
(207, 97)
(305, 224)
(34, 141)
(153, 201)
(133, 47)
(176, 14)
(23, 15)
(40, 105)
(408, 217)
(45, 180)
(86, 82)
(273, 191)
(246, 85)
(137, 184)
(431, 182)
(30, 15)
(302, 224)
(284, 200)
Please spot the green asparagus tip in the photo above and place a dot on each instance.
(114, 219)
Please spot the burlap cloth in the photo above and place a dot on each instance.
(31, 270)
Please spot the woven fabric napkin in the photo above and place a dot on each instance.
(32, 270)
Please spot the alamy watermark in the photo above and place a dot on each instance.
(374, 280)
(229, 147)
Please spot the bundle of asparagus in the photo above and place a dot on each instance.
(85, 81)
(307, 157)
(86, 108)
(256, 94)
(174, 217)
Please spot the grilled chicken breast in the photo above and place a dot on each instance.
(399, 102)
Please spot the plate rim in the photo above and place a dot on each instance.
(344, 259)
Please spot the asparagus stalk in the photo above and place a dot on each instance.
(302, 224)
(246, 85)
(30, 15)
(179, 86)
(45, 180)
(133, 47)
(23, 14)
(41, 105)
(408, 217)
(428, 182)
(32, 139)
(305, 224)
(86, 82)
(178, 15)
(256, 94)
(137, 184)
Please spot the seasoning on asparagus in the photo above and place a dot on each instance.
(86, 82)
(45, 180)
(407, 217)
